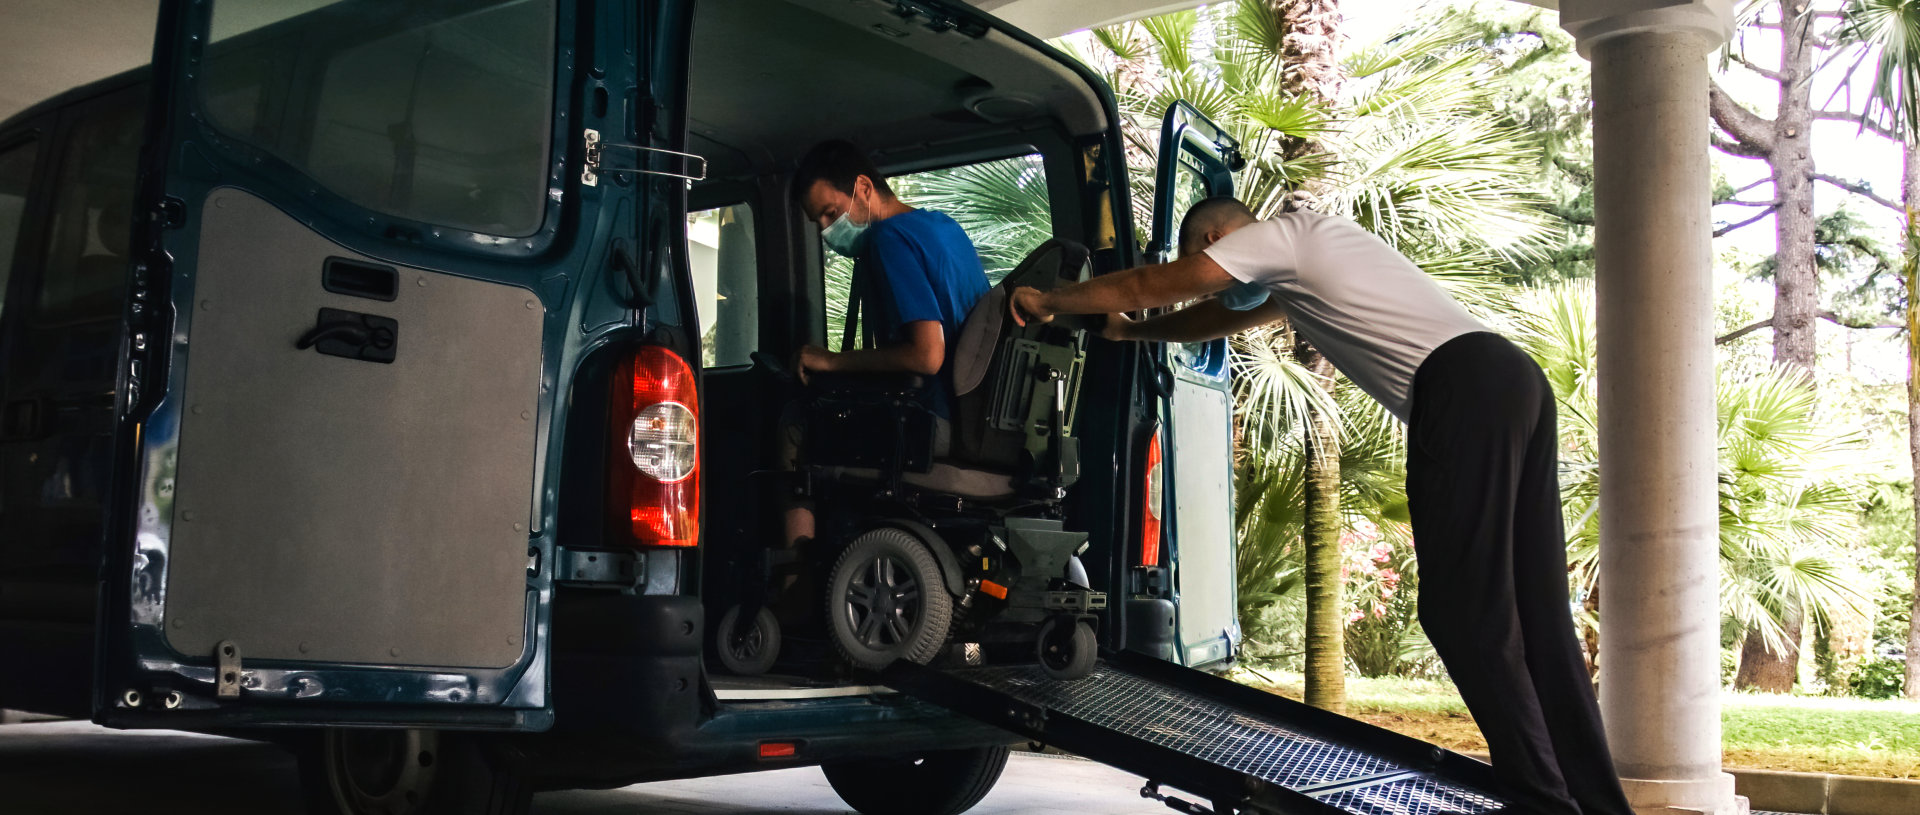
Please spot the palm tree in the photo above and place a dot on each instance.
(1785, 495)
(1891, 28)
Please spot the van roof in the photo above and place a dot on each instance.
(771, 78)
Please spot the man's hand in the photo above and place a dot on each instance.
(1119, 328)
(812, 358)
(1028, 305)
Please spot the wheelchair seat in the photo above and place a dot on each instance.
(1015, 391)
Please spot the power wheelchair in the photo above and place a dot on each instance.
(941, 542)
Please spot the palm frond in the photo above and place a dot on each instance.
(1892, 28)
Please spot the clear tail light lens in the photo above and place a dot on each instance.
(1152, 504)
(664, 441)
(656, 480)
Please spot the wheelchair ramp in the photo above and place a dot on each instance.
(1238, 749)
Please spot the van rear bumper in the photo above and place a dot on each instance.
(630, 706)
(821, 731)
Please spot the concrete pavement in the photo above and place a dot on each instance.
(76, 768)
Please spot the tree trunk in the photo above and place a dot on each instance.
(1761, 668)
(1590, 634)
(1326, 666)
(1310, 67)
(1796, 282)
(1910, 193)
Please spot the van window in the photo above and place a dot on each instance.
(16, 172)
(407, 110)
(1001, 204)
(726, 286)
(87, 260)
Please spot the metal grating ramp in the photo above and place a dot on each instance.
(1131, 706)
(1244, 750)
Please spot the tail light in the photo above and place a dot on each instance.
(1151, 504)
(656, 466)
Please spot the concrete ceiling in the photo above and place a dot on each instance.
(48, 46)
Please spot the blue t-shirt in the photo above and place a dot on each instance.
(931, 272)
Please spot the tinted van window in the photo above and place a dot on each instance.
(87, 258)
(16, 172)
(431, 111)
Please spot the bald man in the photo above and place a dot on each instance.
(1482, 470)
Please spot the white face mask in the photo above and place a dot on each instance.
(846, 237)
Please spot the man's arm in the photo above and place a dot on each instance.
(923, 353)
(1206, 320)
(1138, 288)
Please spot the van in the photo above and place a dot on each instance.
(328, 338)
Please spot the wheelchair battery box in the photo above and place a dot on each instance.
(879, 431)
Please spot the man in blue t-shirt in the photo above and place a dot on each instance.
(918, 269)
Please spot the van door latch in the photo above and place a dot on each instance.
(693, 167)
(227, 671)
(350, 334)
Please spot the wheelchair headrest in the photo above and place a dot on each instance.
(1052, 264)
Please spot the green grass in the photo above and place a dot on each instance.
(1763, 731)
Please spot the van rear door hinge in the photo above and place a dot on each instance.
(693, 167)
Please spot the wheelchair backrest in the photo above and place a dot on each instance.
(1011, 380)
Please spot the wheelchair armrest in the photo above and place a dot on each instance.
(866, 384)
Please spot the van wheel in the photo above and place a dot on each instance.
(1066, 648)
(752, 653)
(347, 771)
(887, 601)
(947, 782)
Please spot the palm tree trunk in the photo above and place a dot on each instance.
(1910, 192)
(1796, 298)
(1310, 34)
(1763, 669)
(1326, 663)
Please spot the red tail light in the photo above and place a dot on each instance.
(1153, 492)
(656, 461)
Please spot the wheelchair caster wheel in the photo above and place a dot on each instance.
(753, 652)
(1066, 648)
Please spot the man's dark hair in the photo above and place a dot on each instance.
(838, 163)
(1209, 213)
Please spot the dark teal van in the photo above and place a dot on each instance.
(394, 380)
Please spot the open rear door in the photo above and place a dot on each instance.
(345, 339)
(1196, 161)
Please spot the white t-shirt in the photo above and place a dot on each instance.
(1370, 310)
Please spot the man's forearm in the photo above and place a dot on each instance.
(891, 359)
(1140, 288)
(1206, 320)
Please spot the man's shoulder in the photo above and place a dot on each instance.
(921, 222)
(930, 230)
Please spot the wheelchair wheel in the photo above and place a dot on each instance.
(886, 600)
(1066, 648)
(751, 653)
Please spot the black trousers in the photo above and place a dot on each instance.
(1484, 494)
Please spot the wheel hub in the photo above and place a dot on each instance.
(883, 603)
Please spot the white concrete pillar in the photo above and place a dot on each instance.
(1659, 568)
